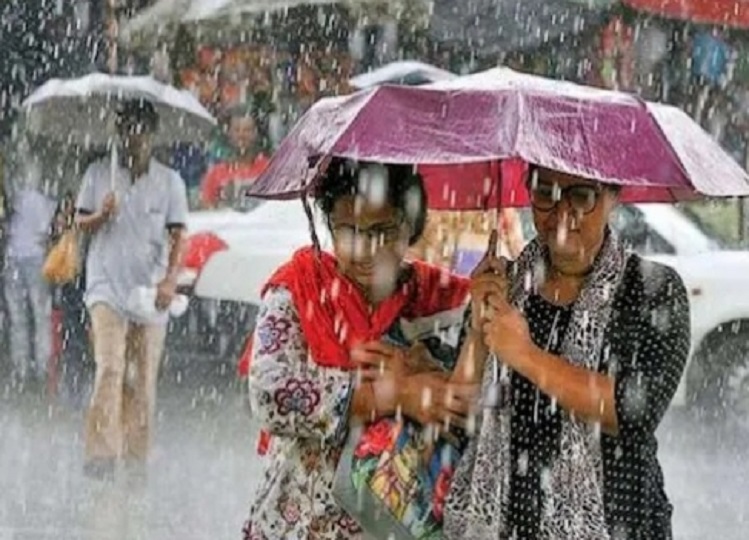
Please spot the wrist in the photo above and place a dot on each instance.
(403, 392)
(363, 402)
(385, 397)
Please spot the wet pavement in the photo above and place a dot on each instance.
(204, 468)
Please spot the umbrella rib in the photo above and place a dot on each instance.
(664, 138)
(344, 132)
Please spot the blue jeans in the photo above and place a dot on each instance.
(29, 302)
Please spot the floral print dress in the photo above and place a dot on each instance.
(305, 408)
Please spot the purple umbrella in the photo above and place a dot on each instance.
(460, 132)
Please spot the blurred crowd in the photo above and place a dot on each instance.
(259, 82)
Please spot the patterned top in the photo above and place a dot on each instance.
(305, 407)
(646, 347)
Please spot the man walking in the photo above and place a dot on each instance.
(135, 213)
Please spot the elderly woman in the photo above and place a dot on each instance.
(322, 316)
(581, 346)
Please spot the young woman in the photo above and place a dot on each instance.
(324, 316)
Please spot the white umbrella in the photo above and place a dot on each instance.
(402, 72)
(82, 111)
(161, 18)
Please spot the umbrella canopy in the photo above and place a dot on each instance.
(81, 111)
(160, 19)
(461, 132)
(403, 72)
(734, 13)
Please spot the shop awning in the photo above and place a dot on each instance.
(733, 13)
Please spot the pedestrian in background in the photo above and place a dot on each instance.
(27, 294)
(135, 214)
(76, 362)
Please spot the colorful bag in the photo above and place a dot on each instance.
(392, 479)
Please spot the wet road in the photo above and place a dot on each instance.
(204, 469)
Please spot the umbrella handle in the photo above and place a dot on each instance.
(311, 219)
(498, 215)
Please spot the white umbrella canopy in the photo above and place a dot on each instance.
(402, 72)
(160, 20)
(82, 110)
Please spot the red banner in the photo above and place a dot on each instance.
(733, 13)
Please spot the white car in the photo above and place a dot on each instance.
(717, 280)
(225, 292)
(260, 240)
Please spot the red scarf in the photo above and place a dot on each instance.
(334, 315)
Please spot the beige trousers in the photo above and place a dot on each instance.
(120, 416)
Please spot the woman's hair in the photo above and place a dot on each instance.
(404, 190)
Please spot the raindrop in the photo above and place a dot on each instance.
(523, 463)
(534, 179)
(546, 480)
(562, 231)
(528, 281)
(426, 398)
(488, 184)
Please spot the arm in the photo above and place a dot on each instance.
(89, 222)
(587, 394)
(473, 353)
(87, 216)
(56, 227)
(648, 378)
(637, 396)
(176, 252)
(292, 396)
(176, 224)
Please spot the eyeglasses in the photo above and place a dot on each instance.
(582, 198)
